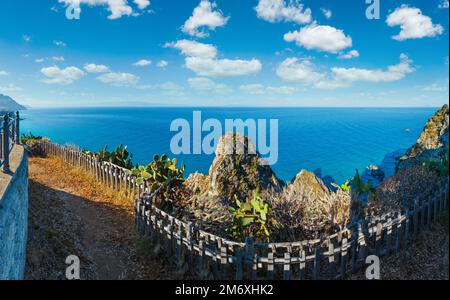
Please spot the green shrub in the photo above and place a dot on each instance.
(29, 137)
(120, 157)
(251, 219)
(162, 173)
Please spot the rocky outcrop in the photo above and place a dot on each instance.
(309, 181)
(238, 169)
(432, 141)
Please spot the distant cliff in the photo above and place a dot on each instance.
(432, 141)
(8, 104)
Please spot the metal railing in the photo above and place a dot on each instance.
(10, 135)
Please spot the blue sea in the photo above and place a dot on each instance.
(332, 142)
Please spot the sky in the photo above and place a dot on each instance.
(333, 53)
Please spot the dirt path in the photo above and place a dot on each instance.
(70, 214)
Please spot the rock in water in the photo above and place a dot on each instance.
(376, 172)
(432, 141)
(238, 169)
(309, 181)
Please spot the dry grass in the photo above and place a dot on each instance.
(305, 214)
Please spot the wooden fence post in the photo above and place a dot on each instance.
(5, 144)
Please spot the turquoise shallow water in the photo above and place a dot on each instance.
(333, 142)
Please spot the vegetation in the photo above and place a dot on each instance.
(360, 189)
(440, 164)
(251, 218)
(162, 175)
(28, 138)
(120, 157)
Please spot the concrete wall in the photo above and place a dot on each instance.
(14, 216)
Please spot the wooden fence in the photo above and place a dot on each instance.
(210, 256)
(10, 135)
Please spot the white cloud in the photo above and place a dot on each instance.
(206, 84)
(202, 59)
(259, 89)
(3, 73)
(298, 71)
(305, 72)
(203, 16)
(350, 54)
(194, 49)
(393, 73)
(142, 4)
(444, 4)
(55, 75)
(162, 64)
(413, 24)
(320, 37)
(58, 58)
(278, 11)
(93, 68)
(119, 79)
(59, 43)
(39, 60)
(142, 63)
(223, 67)
(117, 8)
(327, 13)
(26, 38)
(10, 88)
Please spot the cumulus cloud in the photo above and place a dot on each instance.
(117, 8)
(194, 49)
(223, 67)
(119, 79)
(142, 4)
(413, 24)
(3, 73)
(39, 60)
(392, 73)
(280, 10)
(327, 13)
(350, 54)
(58, 58)
(204, 16)
(298, 71)
(320, 37)
(305, 72)
(162, 64)
(55, 75)
(259, 89)
(202, 59)
(93, 68)
(207, 85)
(142, 63)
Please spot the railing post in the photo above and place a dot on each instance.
(5, 143)
(17, 137)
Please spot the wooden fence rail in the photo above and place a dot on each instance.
(210, 256)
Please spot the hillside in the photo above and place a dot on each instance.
(9, 104)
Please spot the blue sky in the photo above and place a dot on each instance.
(224, 53)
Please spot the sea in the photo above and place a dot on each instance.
(332, 142)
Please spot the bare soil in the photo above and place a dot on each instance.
(71, 214)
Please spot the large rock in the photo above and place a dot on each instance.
(432, 141)
(238, 169)
(309, 181)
